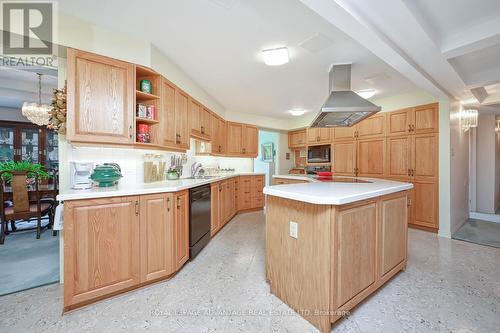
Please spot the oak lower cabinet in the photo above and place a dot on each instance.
(116, 244)
(245, 193)
(157, 236)
(101, 248)
(398, 157)
(297, 139)
(181, 228)
(425, 204)
(283, 181)
(100, 101)
(257, 187)
(215, 208)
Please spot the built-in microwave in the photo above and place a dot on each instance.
(318, 154)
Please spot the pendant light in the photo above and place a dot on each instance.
(37, 113)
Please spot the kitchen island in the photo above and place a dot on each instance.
(330, 244)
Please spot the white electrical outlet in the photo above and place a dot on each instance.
(294, 229)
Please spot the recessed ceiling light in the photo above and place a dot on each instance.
(275, 57)
(297, 112)
(367, 93)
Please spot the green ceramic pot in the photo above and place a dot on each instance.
(106, 175)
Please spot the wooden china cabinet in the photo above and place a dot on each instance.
(28, 142)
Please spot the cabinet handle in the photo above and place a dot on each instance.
(178, 203)
(136, 208)
(177, 138)
(409, 172)
(412, 172)
(168, 204)
(413, 128)
(202, 130)
(409, 128)
(244, 150)
(409, 202)
(130, 131)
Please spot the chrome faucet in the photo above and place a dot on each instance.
(195, 167)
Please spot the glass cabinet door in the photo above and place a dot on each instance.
(29, 144)
(6, 144)
(52, 152)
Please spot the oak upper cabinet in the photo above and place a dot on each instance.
(216, 203)
(218, 136)
(195, 117)
(425, 157)
(206, 123)
(356, 232)
(393, 232)
(297, 139)
(181, 228)
(425, 119)
(372, 127)
(250, 141)
(370, 158)
(101, 248)
(344, 133)
(201, 121)
(318, 135)
(157, 236)
(398, 157)
(344, 158)
(175, 109)
(242, 140)
(399, 122)
(100, 97)
(425, 204)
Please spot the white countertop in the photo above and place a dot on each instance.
(325, 193)
(123, 189)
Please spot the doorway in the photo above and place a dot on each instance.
(267, 161)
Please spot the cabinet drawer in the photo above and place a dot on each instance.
(258, 201)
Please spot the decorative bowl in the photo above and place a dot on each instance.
(106, 175)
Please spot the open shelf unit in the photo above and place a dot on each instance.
(148, 99)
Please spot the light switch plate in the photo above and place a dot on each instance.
(294, 229)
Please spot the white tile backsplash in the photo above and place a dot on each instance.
(131, 160)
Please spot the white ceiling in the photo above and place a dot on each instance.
(19, 86)
(218, 43)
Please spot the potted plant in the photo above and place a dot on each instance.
(30, 168)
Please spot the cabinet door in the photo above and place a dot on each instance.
(181, 119)
(297, 139)
(181, 228)
(195, 117)
(168, 97)
(355, 241)
(344, 133)
(398, 122)
(372, 127)
(222, 136)
(206, 123)
(157, 236)
(426, 204)
(245, 192)
(425, 119)
(370, 158)
(344, 158)
(101, 247)
(234, 136)
(318, 135)
(393, 232)
(100, 99)
(257, 186)
(399, 157)
(216, 145)
(215, 223)
(8, 151)
(250, 141)
(425, 156)
(232, 194)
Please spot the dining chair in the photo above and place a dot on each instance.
(22, 208)
(54, 173)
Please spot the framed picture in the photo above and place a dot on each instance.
(267, 150)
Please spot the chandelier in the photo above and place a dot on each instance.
(37, 113)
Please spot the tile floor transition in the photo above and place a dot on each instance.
(449, 285)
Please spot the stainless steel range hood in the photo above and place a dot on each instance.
(343, 108)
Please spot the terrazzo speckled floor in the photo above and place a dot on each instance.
(449, 286)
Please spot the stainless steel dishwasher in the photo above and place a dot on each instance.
(199, 218)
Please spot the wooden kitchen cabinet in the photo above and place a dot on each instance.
(318, 135)
(399, 122)
(242, 140)
(245, 193)
(398, 161)
(356, 232)
(425, 159)
(344, 158)
(206, 123)
(257, 187)
(372, 127)
(101, 248)
(175, 111)
(426, 119)
(218, 136)
(344, 133)
(100, 99)
(393, 233)
(181, 228)
(297, 139)
(201, 121)
(157, 236)
(425, 204)
(216, 203)
(370, 158)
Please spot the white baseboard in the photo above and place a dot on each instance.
(485, 217)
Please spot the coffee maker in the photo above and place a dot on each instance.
(80, 175)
